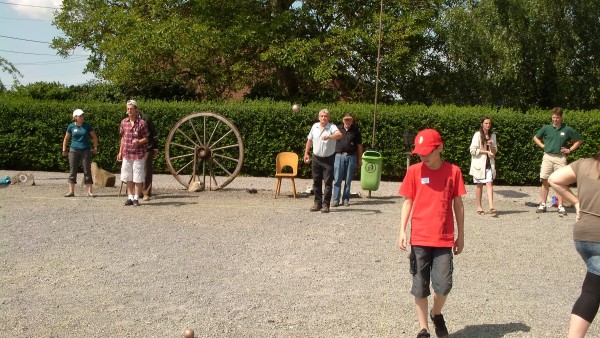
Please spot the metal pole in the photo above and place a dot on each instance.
(377, 73)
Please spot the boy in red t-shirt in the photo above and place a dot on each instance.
(432, 190)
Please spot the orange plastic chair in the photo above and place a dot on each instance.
(286, 159)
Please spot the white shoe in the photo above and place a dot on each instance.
(561, 210)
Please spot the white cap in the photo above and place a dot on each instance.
(78, 112)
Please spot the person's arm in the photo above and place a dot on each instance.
(560, 181)
(459, 214)
(359, 152)
(306, 150)
(120, 154)
(494, 146)
(475, 146)
(65, 144)
(152, 136)
(575, 145)
(336, 136)
(95, 141)
(538, 142)
(404, 216)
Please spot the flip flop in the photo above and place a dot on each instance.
(480, 212)
(492, 211)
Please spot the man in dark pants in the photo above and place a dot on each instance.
(322, 138)
(348, 154)
(150, 154)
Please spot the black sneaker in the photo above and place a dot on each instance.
(423, 334)
(325, 209)
(440, 325)
(136, 203)
(129, 202)
(315, 208)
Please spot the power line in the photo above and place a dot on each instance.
(43, 63)
(12, 51)
(22, 19)
(10, 37)
(15, 4)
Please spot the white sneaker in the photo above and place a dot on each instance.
(540, 208)
(561, 210)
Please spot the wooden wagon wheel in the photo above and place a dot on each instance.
(204, 145)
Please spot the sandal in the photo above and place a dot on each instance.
(480, 212)
(492, 211)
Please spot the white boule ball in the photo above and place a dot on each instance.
(295, 108)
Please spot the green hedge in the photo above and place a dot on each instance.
(31, 133)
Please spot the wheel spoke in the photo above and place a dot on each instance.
(222, 167)
(182, 156)
(196, 133)
(213, 133)
(225, 147)
(222, 137)
(227, 157)
(185, 166)
(187, 137)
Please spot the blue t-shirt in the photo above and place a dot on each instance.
(80, 139)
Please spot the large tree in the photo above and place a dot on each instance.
(515, 53)
(209, 49)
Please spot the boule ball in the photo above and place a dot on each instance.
(188, 333)
(295, 108)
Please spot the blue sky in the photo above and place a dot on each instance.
(22, 20)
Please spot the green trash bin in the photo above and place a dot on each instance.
(370, 171)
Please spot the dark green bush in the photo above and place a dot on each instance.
(31, 133)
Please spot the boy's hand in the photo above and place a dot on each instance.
(459, 243)
(402, 241)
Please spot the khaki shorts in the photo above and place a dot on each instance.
(132, 170)
(551, 163)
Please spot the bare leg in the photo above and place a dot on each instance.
(130, 188)
(71, 188)
(578, 327)
(422, 306)
(478, 194)
(438, 303)
(138, 188)
(490, 194)
(544, 191)
(89, 189)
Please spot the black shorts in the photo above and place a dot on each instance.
(429, 264)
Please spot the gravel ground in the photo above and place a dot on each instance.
(230, 263)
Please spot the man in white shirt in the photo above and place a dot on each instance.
(322, 138)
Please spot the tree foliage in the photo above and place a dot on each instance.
(9, 68)
(537, 53)
(206, 49)
(514, 53)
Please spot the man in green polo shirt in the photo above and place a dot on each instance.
(555, 137)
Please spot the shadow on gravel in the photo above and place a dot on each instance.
(508, 212)
(375, 201)
(491, 330)
(511, 193)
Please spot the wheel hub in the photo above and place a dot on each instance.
(204, 153)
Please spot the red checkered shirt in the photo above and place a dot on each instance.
(129, 132)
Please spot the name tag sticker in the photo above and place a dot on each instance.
(424, 180)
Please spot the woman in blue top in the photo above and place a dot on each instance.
(80, 151)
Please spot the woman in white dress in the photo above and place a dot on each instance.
(483, 167)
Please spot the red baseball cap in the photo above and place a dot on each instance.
(426, 141)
